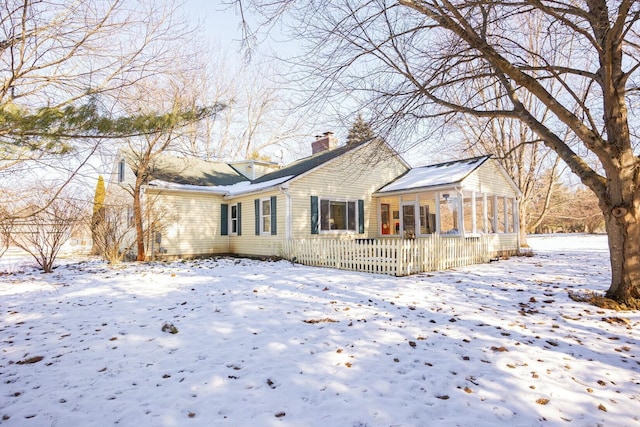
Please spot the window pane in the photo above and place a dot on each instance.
(234, 219)
(265, 207)
(490, 214)
(479, 210)
(501, 215)
(409, 221)
(385, 220)
(351, 215)
(449, 213)
(427, 220)
(466, 213)
(338, 215)
(324, 215)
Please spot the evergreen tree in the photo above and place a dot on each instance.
(360, 131)
(98, 213)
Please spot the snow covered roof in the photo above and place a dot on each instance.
(186, 170)
(231, 183)
(449, 173)
(225, 190)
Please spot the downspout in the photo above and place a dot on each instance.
(460, 210)
(284, 189)
(437, 224)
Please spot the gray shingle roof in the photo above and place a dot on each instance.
(308, 163)
(191, 171)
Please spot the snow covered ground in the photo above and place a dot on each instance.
(276, 344)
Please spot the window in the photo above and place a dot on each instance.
(449, 207)
(265, 216)
(501, 214)
(427, 220)
(385, 220)
(511, 222)
(233, 219)
(491, 217)
(468, 205)
(121, 171)
(338, 215)
(480, 209)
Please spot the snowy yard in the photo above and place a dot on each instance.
(276, 344)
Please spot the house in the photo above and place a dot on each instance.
(360, 192)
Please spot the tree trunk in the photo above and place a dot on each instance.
(522, 212)
(137, 216)
(623, 232)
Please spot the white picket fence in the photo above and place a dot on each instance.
(398, 257)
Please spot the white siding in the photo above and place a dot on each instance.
(248, 243)
(189, 224)
(489, 178)
(356, 175)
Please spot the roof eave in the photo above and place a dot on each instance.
(453, 185)
(281, 185)
(203, 190)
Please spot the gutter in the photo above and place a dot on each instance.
(454, 185)
(284, 189)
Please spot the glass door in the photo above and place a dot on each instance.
(409, 221)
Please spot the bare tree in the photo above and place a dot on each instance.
(258, 113)
(540, 204)
(66, 64)
(523, 156)
(418, 59)
(67, 70)
(113, 236)
(6, 230)
(143, 151)
(572, 210)
(44, 233)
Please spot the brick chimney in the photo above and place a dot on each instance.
(324, 142)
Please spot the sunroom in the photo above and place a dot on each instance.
(466, 198)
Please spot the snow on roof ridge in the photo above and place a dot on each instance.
(226, 190)
(448, 173)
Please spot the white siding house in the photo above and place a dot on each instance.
(352, 193)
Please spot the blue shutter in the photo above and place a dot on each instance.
(274, 218)
(361, 216)
(224, 219)
(257, 205)
(239, 209)
(314, 214)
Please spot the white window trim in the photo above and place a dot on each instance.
(264, 232)
(232, 219)
(337, 199)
